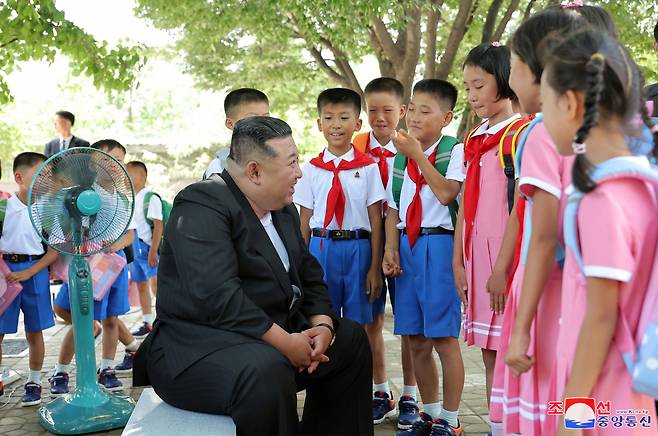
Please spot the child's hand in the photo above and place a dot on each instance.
(461, 284)
(153, 258)
(374, 284)
(517, 354)
(497, 288)
(391, 263)
(408, 145)
(19, 276)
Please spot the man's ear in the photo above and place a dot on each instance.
(447, 118)
(229, 123)
(252, 170)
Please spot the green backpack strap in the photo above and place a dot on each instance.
(3, 211)
(145, 206)
(443, 154)
(442, 162)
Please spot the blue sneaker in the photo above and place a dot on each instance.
(383, 406)
(441, 427)
(142, 331)
(422, 427)
(127, 364)
(32, 395)
(408, 412)
(59, 384)
(108, 379)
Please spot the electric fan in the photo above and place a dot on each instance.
(81, 201)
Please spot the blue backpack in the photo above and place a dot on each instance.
(640, 351)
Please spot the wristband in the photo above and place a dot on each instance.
(331, 329)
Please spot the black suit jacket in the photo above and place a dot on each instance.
(221, 281)
(52, 146)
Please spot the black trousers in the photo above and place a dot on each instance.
(256, 385)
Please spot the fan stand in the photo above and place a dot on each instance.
(88, 408)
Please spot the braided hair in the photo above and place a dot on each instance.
(599, 66)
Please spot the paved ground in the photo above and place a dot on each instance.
(16, 420)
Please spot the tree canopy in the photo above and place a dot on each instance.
(37, 30)
(292, 48)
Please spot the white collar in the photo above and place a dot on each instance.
(267, 219)
(328, 156)
(67, 139)
(375, 144)
(485, 129)
(430, 150)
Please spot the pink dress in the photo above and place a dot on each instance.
(617, 226)
(482, 326)
(520, 402)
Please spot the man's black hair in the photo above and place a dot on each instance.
(251, 135)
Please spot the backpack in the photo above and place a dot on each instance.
(360, 141)
(166, 211)
(640, 352)
(3, 211)
(507, 149)
(443, 153)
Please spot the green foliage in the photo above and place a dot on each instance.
(37, 30)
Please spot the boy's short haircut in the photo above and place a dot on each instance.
(443, 92)
(66, 115)
(388, 85)
(109, 145)
(137, 164)
(339, 96)
(242, 96)
(28, 159)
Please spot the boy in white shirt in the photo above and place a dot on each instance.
(144, 269)
(24, 254)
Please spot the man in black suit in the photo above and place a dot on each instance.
(64, 121)
(244, 320)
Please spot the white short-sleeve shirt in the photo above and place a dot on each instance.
(218, 164)
(154, 213)
(18, 234)
(362, 187)
(434, 213)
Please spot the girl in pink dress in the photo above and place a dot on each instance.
(484, 212)
(590, 93)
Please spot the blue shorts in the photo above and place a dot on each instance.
(114, 303)
(140, 271)
(427, 303)
(33, 300)
(345, 265)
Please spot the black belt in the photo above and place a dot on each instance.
(20, 258)
(343, 235)
(432, 231)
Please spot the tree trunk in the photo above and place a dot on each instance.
(500, 30)
(490, 22)
(457, 33)
(433, 18)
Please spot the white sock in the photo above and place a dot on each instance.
(497, 429)
(432, 409)
(60, 367)
(107, 363)
(449, 417)
(148, 318)
(383, 387)
(409, 390)
(133, 346)
(35, 376)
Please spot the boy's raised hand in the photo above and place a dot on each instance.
(407, 145)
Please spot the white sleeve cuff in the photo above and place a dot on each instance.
(605, 272)
(556, 192)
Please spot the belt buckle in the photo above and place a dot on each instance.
(339, 234)
(13, 258)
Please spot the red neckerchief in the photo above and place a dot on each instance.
(474, 149)
(381, 153)
(336, 196)
(415, 209)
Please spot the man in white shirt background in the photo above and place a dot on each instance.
(64, 121)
